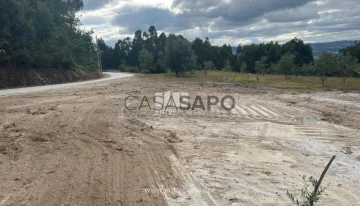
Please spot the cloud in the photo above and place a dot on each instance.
(94, 4)
(227, 21)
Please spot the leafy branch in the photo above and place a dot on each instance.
(309, 198)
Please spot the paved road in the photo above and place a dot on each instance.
(113, 76)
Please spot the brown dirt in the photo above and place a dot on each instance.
(80, 146)
(23, 77)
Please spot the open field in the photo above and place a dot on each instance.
(81, 146)
(279, 81)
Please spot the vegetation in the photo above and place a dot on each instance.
(286, 64)
(149, 53)
(352, 51)
(179, 55)
(272, 80)
(335, 65)
(44, 34)
(165, 49)
(309, 198)
(145, 60)
(332, 47)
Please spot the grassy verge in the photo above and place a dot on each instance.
(278, 81)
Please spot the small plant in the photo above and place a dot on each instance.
(310, 197)
(307, 194)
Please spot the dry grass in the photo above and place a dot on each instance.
(279, 81)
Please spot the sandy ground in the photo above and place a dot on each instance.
(81, 146)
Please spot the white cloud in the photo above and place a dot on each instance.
(226, 21)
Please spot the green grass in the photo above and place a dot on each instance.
(278, 81)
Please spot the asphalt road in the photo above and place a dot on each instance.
(112, 75)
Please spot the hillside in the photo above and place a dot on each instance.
(43, 38)
(334, 47)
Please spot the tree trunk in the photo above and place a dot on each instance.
(317, 186)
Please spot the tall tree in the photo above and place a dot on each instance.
(179, 56)
(326, 63)
(286, 65)
(303, 52)
(347, 65)
(39, 33)
(353, 51)
(137, 45)
(146, 59)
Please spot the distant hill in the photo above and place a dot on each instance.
(319, 48)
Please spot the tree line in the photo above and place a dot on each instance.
(149, 52)
(44, 34)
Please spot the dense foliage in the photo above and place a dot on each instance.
(149, 53)
(160, 53)
(353, 51)
(44, 34)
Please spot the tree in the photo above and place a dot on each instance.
(107, 54)
(308, 69)
(353, 51)
(161, 66)
(224, 57)
(145, 61)
(346, 64)
(286, 64)
(326, 63)
(137, 45)
(179, 56)
(250, 54)
(208, 65)
(44, 34)
(151, 41)
(243, 68)
(202, 49)
(302, 52)
(260, 66)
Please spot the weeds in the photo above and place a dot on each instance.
(307, 194)
(310, 197)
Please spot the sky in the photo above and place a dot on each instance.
(226, 21)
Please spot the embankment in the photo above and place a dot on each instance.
(23, 77)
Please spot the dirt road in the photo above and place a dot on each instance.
(81, 146)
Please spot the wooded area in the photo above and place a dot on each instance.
(44, 34)
(149, 52)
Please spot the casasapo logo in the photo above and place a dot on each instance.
(177, 103)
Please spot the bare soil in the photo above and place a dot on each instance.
(81, 146)
(24, 77)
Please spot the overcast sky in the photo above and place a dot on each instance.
(226, 21)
